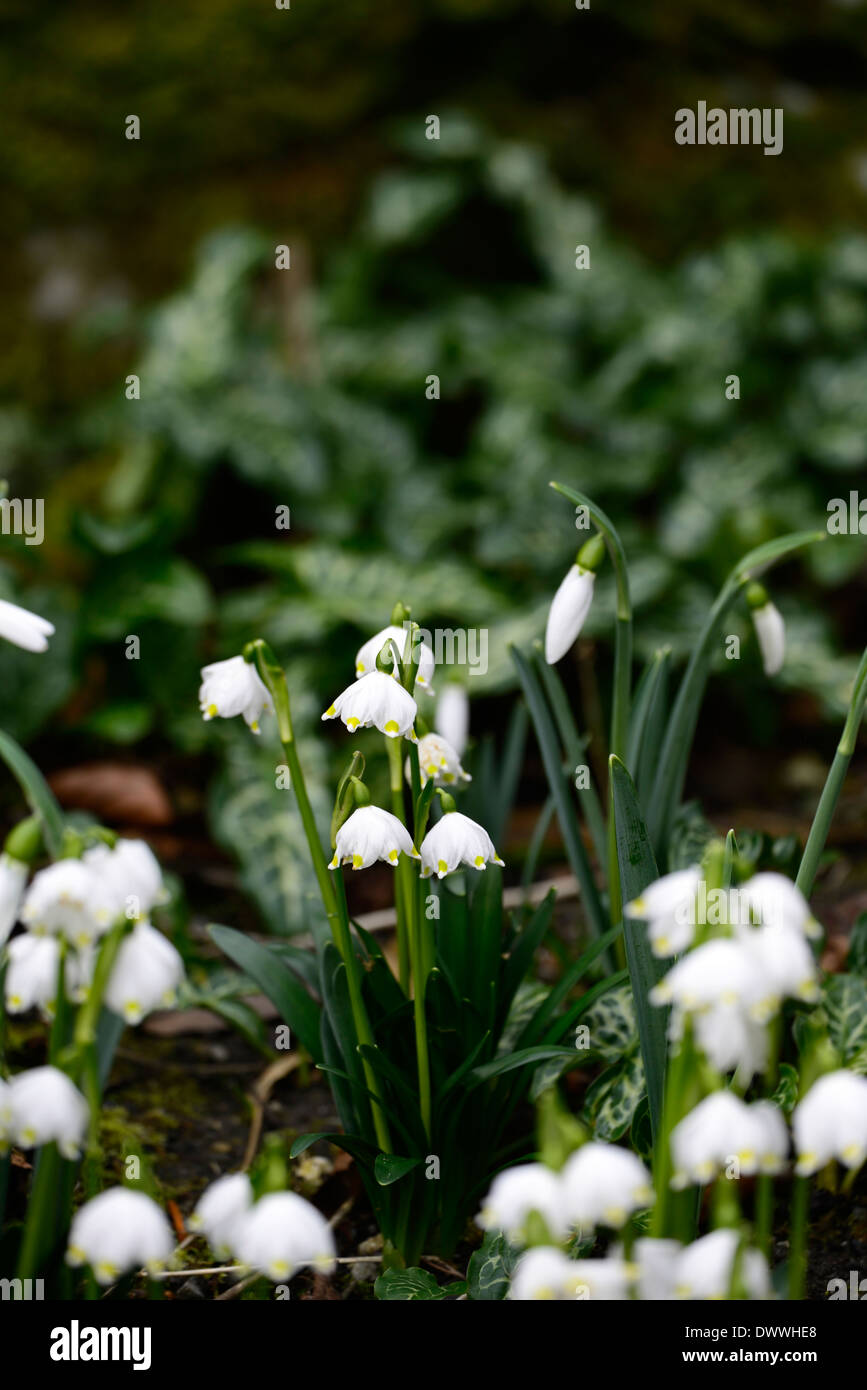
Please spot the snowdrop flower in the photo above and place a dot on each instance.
(567, 613)
(456, 840)
(371, 834)
(704, 1269)
(438, 759)
(118, 1231)
(233, 687)
(47, 1108)
(282, 1232)
(453, 716)
(13, 876)
(31, 974)
(668, 906)
(545, 1273)
(773, 898)
(603, 1184)
(24, 628)
(145, 976)
(770, 629)
(219, 1210)
(518, 1191)
(60, 900)
(720, 1131)
(365, 659)
(719, 972)
(831, 1122)
(784, 968)
(376, 701)
(729, 1037)
(129, 877)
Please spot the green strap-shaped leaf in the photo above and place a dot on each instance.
(37, 792)
(637, 870)
(275, 980)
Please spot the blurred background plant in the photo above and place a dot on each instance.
(308, 389)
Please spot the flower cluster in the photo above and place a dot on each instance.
(276, 1235)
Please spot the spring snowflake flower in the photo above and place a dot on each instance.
(47, 1108)
(771, 635)
(118, 1231)
(453, 841)
(371, 834)
(719, 972)
(365, 659)
(656, 1261)
(831, 1122)
(704, 1269)
(784, 968)
(729, 1037)
(31, 974)
(129, 877)
(453, 716)
(219, 1210)
(668, 906)
(545, 1273)
(774, 899)
(773, 1136)
(723, 1131)
(603, 1184)
(13, 877)
(438, 759)
(145, 976)
(24, 628)
(60, 902)
(518, 1191)
(376, 701)
(281, 1233)
(569, 609)
(233, 687)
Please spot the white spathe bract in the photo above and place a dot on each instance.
(365, 659)
(13, 877)
(704, 1269)
(439, 760)
(831, 1122)
(233, 687)
(31, 973)
(722, 1134)
(376, 701)
(453, 716)
(545, 1273)
(719, 972)
(62, 901)
(771, 634)
(47, 1108)
(456, 840)
(603, 1184)
(24, 628)
(118, 1231)
(569, 608)
(518, 1191)
(774, 899)
(145, 975)
(219, 1210)
(668, 906)
(371, 834)
(129, 879)
(281, 1233)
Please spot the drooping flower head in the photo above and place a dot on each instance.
(23, 628)
(571, 603)
(456, 840)
(365, 659)
(517, 1193)
(233, 687)
(46, 1107)
(281, 1233)
(668, 906)
(831, 1122)
(603, 1185)
(219, 1210)
(770, 629)
(119, 1231)
(371, 834)
(145, 975)
(439, 760)
(376, 701)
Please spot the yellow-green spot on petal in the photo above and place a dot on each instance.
(479, 860)
(392, 855)
(392, 727)
(330, 712)
(211, 711)
(357, 861)
(442, 866)
(353, 722)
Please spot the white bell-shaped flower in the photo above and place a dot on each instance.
(668, 906)
(719, 972)
(771, 634)
(705, 1268)
(129, 878)
(233, 687)
(371, 834)
(376, 701)
(773, 1140)
(453, 716)
(515, 1194)
(603, 1185)
(773, 899)
(47, 1108)
(119, 1231)
(219, 1210)
(438, 759)
(720, 1134)
(13, 877)
(657, 1262)
(145, 976)
(60, 902)
(456, 840)
(31, 973)
(569, 608)
(545, 1273)
(831, 1122)
(729, 1037)
(784, 968)
(24, 628)
(365, 659)
(281, 1233)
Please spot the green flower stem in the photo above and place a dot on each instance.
(395, 777)
(764, 1211)
(419, 989)
(40, 1225)
(87, 1022)
(834, 783)
(363, 1030)
(798, 1237)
